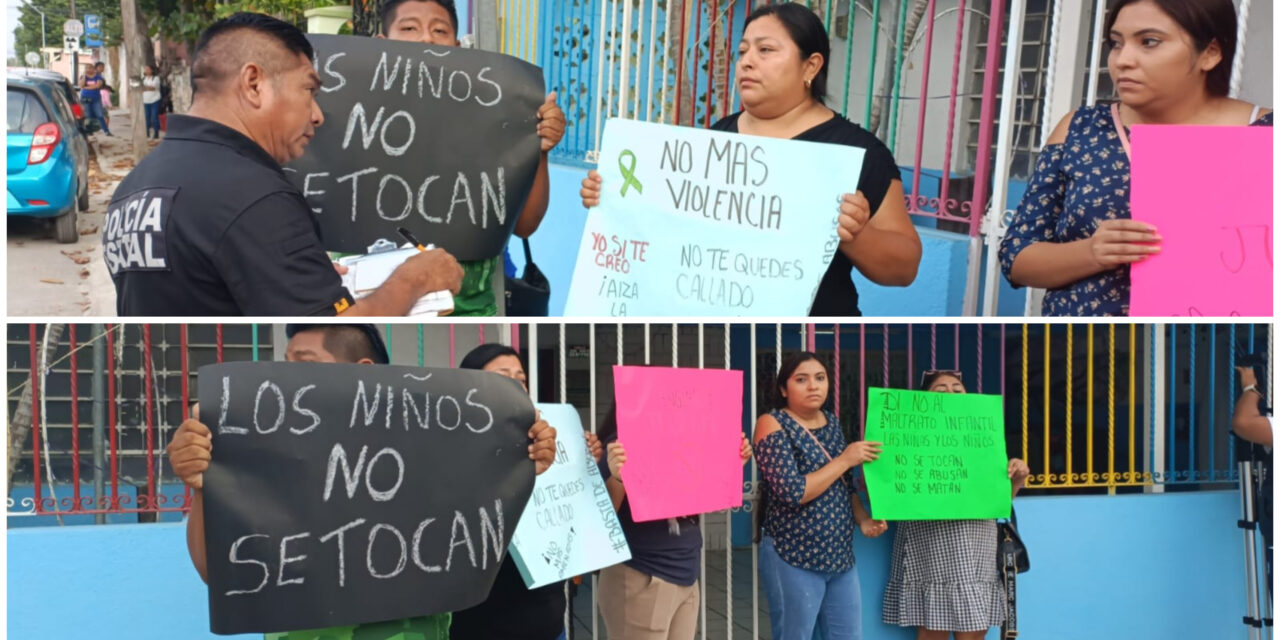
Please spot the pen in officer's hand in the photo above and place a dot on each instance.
(404, 233)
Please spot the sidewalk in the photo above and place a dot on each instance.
(114, 157)
(115, 152)
(45, 278)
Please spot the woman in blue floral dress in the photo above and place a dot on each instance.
(810, 508)
(1072, 235)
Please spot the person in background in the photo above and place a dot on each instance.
(811, 507)
(436, 22)
(191, 450)
(91, 96)
(151, 100)
(166, 91)
(512, 610)
(1072, 234)
(943, 578)
(782, 78)
(107, 91)
(654, 595)
(1248, 421)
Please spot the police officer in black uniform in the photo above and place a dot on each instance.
(208, 224)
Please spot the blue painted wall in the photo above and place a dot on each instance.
(937, 291)
(131, 581)
(1139, 567)
(939, 286)
(555, 244)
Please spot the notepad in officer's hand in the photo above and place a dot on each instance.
(365, 273)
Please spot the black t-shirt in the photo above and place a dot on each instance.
(836, 294)
(208, 225)
(657, 549)
(512, 610)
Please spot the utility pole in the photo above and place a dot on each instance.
(75, 55)
(43, 44)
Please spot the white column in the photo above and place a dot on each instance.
(994, 215)
(1154, 451)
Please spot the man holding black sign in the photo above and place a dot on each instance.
(208, 224)
(436, 22)
(190, 453)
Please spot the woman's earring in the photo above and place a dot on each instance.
(807, 83)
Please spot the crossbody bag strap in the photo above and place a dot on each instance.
(823, 448)
(1009, 630)
(1124, 137)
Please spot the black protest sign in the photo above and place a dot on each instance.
(440, 140)
(343, 493)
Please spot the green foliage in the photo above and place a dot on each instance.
(26, 29)
(288, 10)
(186, 27)
(165, 18)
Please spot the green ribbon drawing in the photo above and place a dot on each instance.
(628, 172)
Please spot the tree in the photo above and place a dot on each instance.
(136, 41)
(184, 20)
(366, 17)
(27, 28)
(914, 18)
(20, 422)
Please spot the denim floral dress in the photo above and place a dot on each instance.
(817, 535)
(1076, 185)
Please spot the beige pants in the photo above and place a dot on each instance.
(637, 606)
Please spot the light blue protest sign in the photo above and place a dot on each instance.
(569, 526)
(693, 222)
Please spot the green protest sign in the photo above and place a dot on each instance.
(943, 456)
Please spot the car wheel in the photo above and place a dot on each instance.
(65, 227)
(83, 201)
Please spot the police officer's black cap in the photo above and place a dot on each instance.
(371, 332)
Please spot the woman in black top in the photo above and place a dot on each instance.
(513, 611)
(656, 594)
(782, 79)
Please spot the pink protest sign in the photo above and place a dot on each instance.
(682, 429)
(1208, 192)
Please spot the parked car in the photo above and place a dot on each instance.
(48, 157)
(87, 125)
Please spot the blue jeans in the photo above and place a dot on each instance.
(153, 116)
(93, 109)
(800, 599)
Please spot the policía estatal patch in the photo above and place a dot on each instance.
(133, 236)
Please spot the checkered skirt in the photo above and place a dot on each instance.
(943, 576)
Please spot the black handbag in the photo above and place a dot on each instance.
(1010, 544)
(530, 294)
(1011, 559)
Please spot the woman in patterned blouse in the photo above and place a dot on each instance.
(942, 573)
(1170, 61)
(810, 508)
